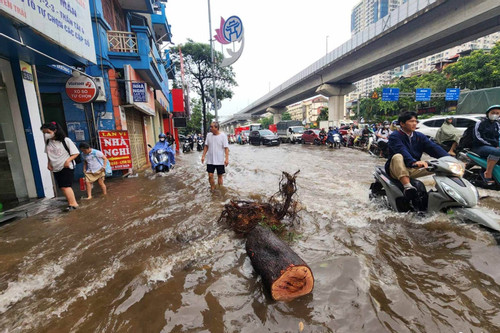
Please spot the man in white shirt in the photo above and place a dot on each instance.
(217, 152)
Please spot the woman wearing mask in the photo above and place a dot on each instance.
(485, 144)
(61, 152)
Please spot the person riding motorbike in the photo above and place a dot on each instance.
(331, 132)
(383, 138)
(322, 135)
(163, 144)
(447, 136)
(486, 141)
(406, 147)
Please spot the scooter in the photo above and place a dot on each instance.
(452, 192)
(475, 166)
(186, 146)
(160, 160)
(336, 141)
(199, 144)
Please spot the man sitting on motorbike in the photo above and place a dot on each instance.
(331, 132)
(447, 136)
(322, 135)
(383, 137)
(406, 147)
(163, 144)
(485, 144)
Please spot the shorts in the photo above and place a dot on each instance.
(220, 169)
(64, 178)
(93, 177)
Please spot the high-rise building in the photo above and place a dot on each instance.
(367, 12)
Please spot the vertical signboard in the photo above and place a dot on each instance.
(115, 145)
(64, 22)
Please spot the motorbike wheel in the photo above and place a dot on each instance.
(317, 142)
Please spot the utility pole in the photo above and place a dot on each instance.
(327, 45)
(213, 62)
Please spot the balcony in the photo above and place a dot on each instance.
(139, 6)
(134, 49)
(160, 24)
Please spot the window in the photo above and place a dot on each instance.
(433, 123)
(463, 122)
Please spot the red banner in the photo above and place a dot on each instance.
(115, 145)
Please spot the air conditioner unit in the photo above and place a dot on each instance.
(101, 97)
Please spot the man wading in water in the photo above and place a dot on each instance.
(217, 151)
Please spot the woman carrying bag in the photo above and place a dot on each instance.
(61, 152)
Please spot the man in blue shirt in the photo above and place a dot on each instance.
(406, 147)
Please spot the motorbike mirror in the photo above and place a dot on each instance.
(149, 146)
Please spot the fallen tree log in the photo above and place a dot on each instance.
(283, 272)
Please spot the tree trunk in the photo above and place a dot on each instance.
(283, 272)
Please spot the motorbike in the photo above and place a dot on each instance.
(452, 193)
(186, 146)
(337, 141)
(160, 159)
(199, 144)
(379, 149)
(475, 166)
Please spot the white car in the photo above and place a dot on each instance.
(430, 126)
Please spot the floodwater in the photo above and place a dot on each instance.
(151, 257)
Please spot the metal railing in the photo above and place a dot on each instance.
(122, 41)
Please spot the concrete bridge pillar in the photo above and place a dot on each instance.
(277, 113)
(335, 94)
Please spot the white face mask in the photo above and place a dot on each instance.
(493, 117)
(48, 136)
(162, 140)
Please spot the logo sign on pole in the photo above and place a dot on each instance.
(230, 31)
(390, 94)
(115, 146)
(452, 94)
(139, 92)
(423, 94)
(81, 89)
(374, 95)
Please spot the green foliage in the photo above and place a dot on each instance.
(286, 116)
(198, 75)
(323, 115)
(265, 122)
(479, 70)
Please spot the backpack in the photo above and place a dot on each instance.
(77, 160)
(109, 171)
(467, 138)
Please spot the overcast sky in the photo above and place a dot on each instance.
(282, 37)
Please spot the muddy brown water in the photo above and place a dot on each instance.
(151, 257)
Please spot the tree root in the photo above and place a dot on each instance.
(242, 216)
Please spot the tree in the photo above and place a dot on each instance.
(265, 122)
(286, 116)
(323, 115)
(198, 74)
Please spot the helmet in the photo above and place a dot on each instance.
(449, 117)
(162, 136)
(386, 123)
(330, 127)
(496, 106)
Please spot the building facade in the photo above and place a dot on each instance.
(308, 110)
(116, 43)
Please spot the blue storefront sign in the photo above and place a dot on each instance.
(390, 94)
(452, 94)
(139, 92)
(423, 94)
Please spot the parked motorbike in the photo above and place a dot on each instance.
(379, 149)
(186, 146)
(475, 166)
(199, 144)
(452, 192)
(160, 159)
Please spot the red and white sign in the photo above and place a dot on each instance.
(115, 145)
(81, 89)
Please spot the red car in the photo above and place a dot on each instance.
(311, 136)
(343, 129)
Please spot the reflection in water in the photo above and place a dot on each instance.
(150, 257)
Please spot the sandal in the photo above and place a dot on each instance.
(70, 208)
(488, 181)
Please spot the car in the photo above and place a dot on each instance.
(264, 137)
(182, 138)
(430, 126)
(311, 136)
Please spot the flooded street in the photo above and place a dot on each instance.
(151, 257)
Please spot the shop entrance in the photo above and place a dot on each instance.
(53, 109)
(13, 188)
(135, 128)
